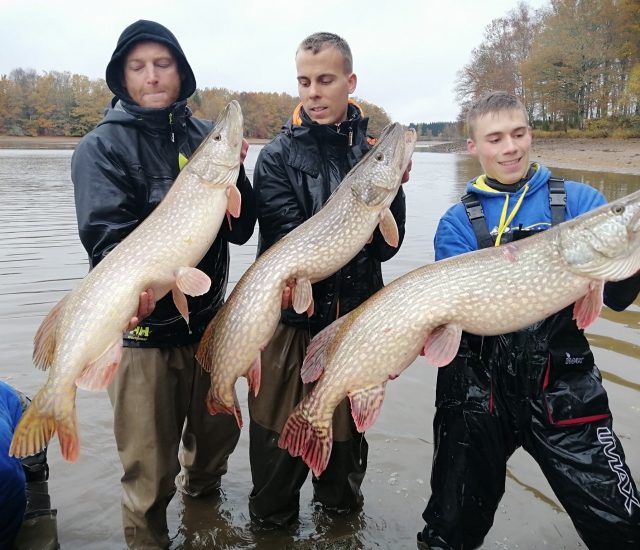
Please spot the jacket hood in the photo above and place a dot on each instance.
(141, 31)
(537, 181)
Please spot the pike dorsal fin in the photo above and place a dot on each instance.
(316, 357)
(389, 228)
(442, 344)
(44, 342)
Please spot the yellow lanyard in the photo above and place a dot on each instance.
(504, 220)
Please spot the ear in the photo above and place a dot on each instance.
(471, 146)
(353, 81)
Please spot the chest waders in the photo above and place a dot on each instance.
(539, 389)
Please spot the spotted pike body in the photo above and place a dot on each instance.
(80, 340)
(231, 345)
(487, 292)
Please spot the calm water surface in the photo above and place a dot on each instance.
(41, 259)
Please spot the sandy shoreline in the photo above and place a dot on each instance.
(601, 155)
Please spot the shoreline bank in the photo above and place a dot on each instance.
(599, 154)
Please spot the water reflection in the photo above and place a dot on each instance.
(41, 259)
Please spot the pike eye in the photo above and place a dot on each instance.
(379, 157)
(617, 209)
(217, 137)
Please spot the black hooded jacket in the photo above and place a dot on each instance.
(294, 176)
(123, 168)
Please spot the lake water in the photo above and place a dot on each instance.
(41, 259)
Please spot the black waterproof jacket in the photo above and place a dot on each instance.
(121, 171)
(294, 176)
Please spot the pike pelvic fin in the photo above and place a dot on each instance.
(366, 405)
(311, 442)
(41, 420)
(302, 296)
(44, 342)
(98, 374)
(214, 406)
(254, 375)
(316, 356)
(389, 228)
(191, 281)
(442, 344)
(234, 202)
(587, 309)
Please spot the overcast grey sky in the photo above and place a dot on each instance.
(406, 52)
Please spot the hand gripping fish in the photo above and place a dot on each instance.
(231, 344)
(486, 292)
(80, 340)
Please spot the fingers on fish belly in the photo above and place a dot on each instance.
(39, 423)
(216, 406)
(311, 442)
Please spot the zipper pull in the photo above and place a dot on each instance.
(350, 138)
(173, 137)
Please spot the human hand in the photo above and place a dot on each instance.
(405, 176)
(146, 305)
(287, 295)
(243, 150)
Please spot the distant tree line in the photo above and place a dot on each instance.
(64, 104)
(575, 64)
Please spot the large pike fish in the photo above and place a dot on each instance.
(80, 340)
(231, 344)
(486, 292)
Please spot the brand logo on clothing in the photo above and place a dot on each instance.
(605, 436)
(573, 360)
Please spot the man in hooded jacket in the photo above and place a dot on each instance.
(294, 176)
(121, 171)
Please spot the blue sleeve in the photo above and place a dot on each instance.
(454, 235)
(12, 477)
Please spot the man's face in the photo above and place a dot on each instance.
(323, 85)
(502, 143)
(151, 75)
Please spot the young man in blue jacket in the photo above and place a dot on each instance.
(294, 176)
(121, 171)
(537, 388)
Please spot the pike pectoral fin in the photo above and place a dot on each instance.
(98, 374)
(442, 344)
(253, 376)
(214, 406)
(389, 228)
(44, 342)
(316, 356)
(302, 295)
(587, 309)
(234, 201)
(366, 405)
(311, 442)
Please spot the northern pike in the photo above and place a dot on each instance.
(80, 340)
(486, 292)
(231, 344)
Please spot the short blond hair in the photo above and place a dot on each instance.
(493, 102)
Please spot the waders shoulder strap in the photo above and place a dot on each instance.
(557, 200)
(476, 217)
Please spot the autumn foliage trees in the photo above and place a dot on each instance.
(575, 64)
(62, 104)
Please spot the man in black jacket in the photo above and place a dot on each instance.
(121, 171)
(294, 176)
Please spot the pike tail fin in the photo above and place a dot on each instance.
(49, 412)
(312, 442)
